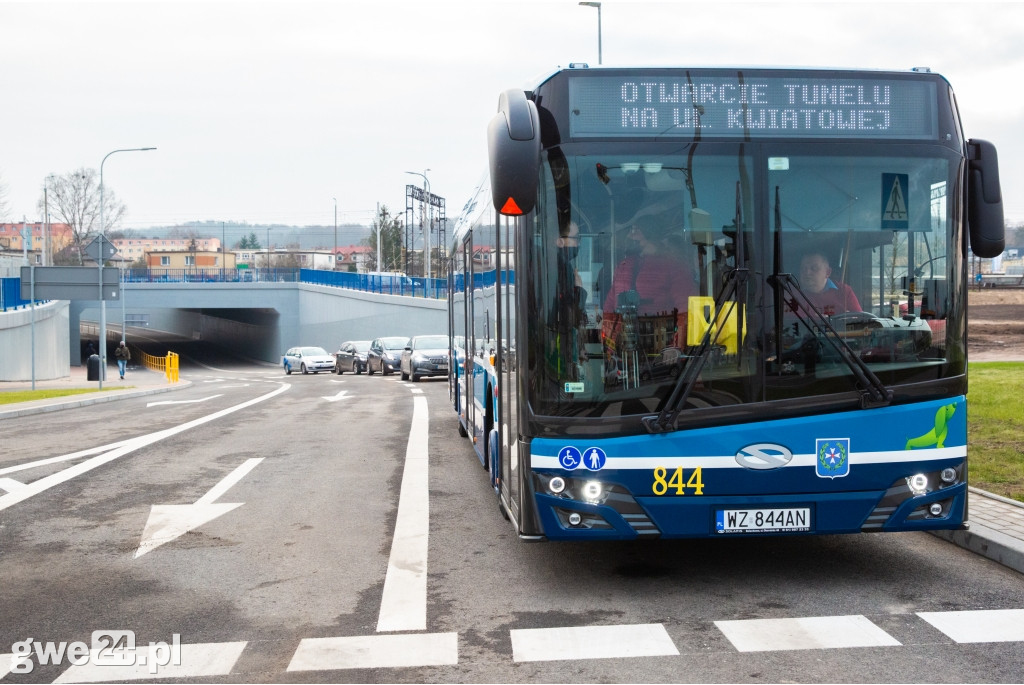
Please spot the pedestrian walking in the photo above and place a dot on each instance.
(123, 355)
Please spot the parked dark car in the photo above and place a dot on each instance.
(385, 355)
(351, 356)
(425, 355)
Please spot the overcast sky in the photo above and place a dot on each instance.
(265, 112)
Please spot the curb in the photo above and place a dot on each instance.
(60, 403)
(986, 541)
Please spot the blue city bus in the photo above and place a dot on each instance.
(720, 302)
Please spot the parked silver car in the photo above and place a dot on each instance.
(307, 359)
(425, 355)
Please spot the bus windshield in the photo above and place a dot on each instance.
(780, 266)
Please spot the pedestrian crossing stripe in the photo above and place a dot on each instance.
(376, 651)
(197, 660)
(1005, 625)
(895, 215)
(821, 632)
(591, 642)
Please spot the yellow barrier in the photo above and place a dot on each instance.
(702, 316)
(166, 365)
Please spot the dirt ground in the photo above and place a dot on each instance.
(995, 325)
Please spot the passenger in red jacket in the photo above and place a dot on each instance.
(661, 281)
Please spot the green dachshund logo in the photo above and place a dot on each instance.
(937, 435)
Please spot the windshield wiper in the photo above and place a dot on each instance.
(735, 284)
(873, 392)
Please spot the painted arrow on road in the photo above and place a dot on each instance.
(168, 522)
(204, 399)
(339, 396)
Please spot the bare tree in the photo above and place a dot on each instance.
(391, 237)
(75, 200)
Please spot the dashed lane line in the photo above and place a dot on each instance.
(591, 642)
(376, 651)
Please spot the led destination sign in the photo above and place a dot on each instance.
(758, 106)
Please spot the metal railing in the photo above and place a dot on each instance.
(167, 365)
(10, 294)
(435, 288)
(385, 284)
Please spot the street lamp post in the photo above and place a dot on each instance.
(103, 303)
(426, 227)
(334, 255)
(598, 6)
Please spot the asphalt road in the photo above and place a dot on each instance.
(336, 529)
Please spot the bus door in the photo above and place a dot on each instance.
(466, 379)
(508, 425)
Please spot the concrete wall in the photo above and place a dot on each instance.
(52, 356)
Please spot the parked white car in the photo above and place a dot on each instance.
(307, 360)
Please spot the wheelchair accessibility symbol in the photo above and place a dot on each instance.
(569, 457)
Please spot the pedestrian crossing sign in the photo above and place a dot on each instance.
(895, 215)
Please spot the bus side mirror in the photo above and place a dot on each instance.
(984, 200)
(513, 145)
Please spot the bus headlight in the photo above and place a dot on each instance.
(948, 475)
(918, 483)
(592, 490)
(556, 485)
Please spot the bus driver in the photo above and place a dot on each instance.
(827, 295)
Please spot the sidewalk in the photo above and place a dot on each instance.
(137, 381)
(996, 523)
(996, 529)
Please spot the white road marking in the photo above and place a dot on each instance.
(339, 396)
(1006, 625)
(403, 605)
(10, 485)
(591, 642)
(170, 521)
(376, 651)
(123, 448)
(197, 660)
(204, 399)
(417, 391)
(820, 632)
(63, 457)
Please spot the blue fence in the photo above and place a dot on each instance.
(203, 275)
(10, 294)
(436, 288)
